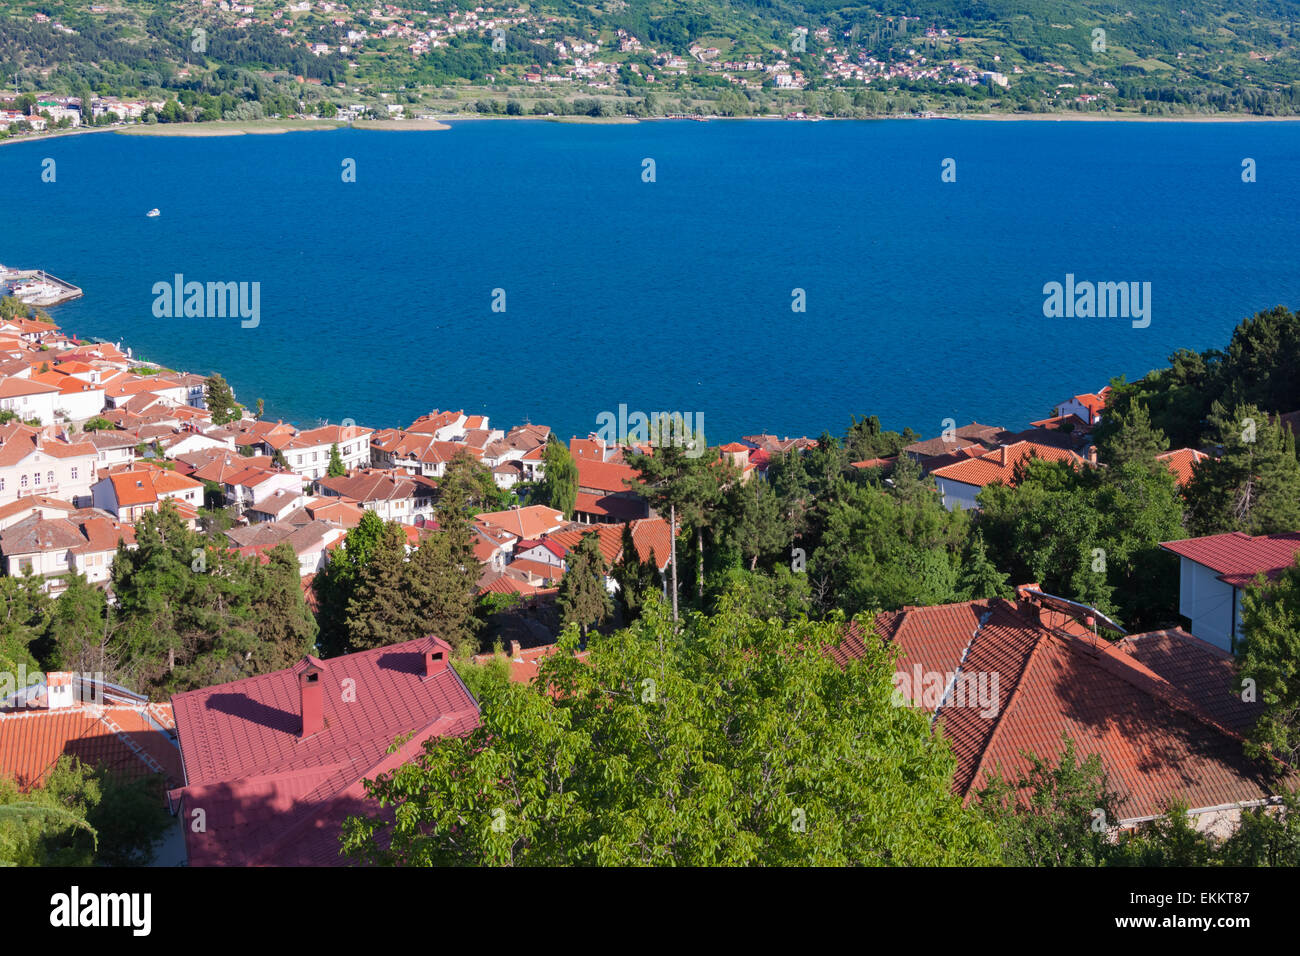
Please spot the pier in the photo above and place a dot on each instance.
(37, 287)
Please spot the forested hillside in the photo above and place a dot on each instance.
(661, 56)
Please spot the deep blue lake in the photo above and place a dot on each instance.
(924, 299)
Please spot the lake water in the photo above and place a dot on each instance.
(924, 298)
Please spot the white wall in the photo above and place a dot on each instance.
(28, 407)
(956, 493)
(80, 406)
(1209, 604)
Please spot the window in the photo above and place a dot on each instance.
(37, 477)
(2, 484)
(300, 459)
(74, 472)
(50, 478)
(315, 456)
(23, 482)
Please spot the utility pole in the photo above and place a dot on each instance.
(672, 512)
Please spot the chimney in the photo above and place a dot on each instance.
(313, 709)
(1091, 454)
(58, 690)
(514, 650)
(1002, 455)
(435, 657)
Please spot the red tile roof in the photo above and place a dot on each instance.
(540, 569)
(1149, 705)
(607, 476)
(530, 522)
(272, 797)
(1181, 462)
(1237, 557)
(1000, 464)
(117, 737)
(610, 506)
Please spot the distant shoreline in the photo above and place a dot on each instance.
(443, 122)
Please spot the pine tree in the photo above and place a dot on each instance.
(634, 577)
(687, 485)
(26, 613)
(1269, 655)
(336, 468)
(980, 578)
(558, 488)
(1133, 439)
(1254, 486)
(77, 628)
(583, 598)
(285, 628)
(220, 399)
(336, 584)
(442, 584)
(381, 610)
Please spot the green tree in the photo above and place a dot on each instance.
(1269, 656)
(1169, 840)
(285, 629)
(468, 488)
(558, 487)
(1262, 359)
(685, 478)
(634, 577)
(738, 742)
(381, 610)
(751, 523)
(78, 629)
(1254, 485)
(442, 581)
(336, 468)
(336, 584)
(1134, 439)
(1057, 813)
(1266, 836)
(80, 815)
(185, 604)
(220, 400)
(24, 616)
(980, 578)
(583, 599)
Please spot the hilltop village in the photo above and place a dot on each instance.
(103, 456)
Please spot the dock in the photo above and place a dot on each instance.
(37, 287)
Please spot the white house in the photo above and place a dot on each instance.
(308, 453)
(392, 495)
(130, 494)
(188, 442)
(253, 485)
(1215, 571)
(83, 542)
(959, 484)
(29, 400)
(1088, 406)
(32, 464)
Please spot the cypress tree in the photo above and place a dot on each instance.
(583, 599)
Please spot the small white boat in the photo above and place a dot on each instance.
(153, 212)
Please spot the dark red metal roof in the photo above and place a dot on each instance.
(271, 797)
(1236, 557)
